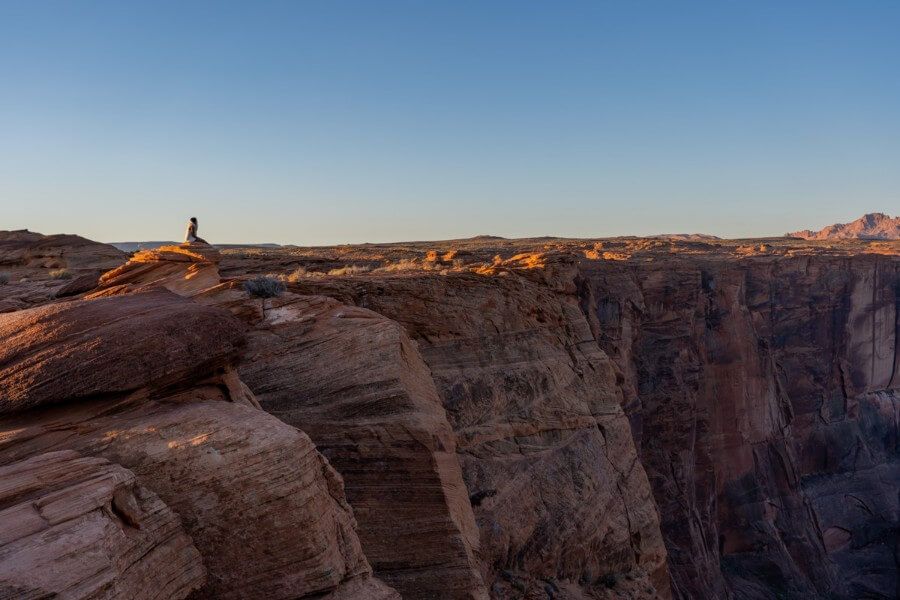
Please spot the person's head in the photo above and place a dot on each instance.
(194, 220)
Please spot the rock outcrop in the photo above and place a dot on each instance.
(80, 527)
(561, 500)
(74, 350)
(29, 250)
(873, 226)
(35, 269)
(354, 381)
(185, 269)
(146, 381)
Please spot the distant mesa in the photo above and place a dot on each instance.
(873, 226)
(136, 246)
(686, 237)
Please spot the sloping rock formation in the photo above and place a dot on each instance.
(354, 381)
(30, 250)
(185, 269)
(873, 226)
(79, 527)
(34, 268)
(74, 350)
(561, 500)
(264, 509)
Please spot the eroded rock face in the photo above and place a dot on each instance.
(35, 269)
(133, 382)
(29, 250)
(560, 498)
(764, 394)
(81, 527)
(354, 381)
(185, 269)
(265, 510)
(73, 350)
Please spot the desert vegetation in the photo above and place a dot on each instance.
(264, 287)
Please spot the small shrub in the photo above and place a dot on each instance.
(60, 274)
(264, 287)
(298, 274)
(4, 278)
(350, 270)
(407, 264)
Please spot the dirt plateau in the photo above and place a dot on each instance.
(471, 419)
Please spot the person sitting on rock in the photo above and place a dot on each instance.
(191, 236)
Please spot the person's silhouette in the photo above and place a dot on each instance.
(191, 235)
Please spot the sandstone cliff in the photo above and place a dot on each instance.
(565, 419)
(146, 381)
(764, 394)
(561, 500)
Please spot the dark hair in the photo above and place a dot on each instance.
(193, 219)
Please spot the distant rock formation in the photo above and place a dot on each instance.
(137, 246)
(873, 226)
(35, 268)
(28, 249)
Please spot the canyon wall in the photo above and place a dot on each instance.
(561, 501)
(762, 399)
(572, 424)
(763, 394)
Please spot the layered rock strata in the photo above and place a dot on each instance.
(81, 527)
(146, 381)
(764, 396)
(354, 381)
(561, 500)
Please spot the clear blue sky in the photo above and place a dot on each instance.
(335, 121)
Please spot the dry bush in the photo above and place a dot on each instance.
(264, 287)
(296, 275)
(350, 270)
(60, 274)
(407, 264)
